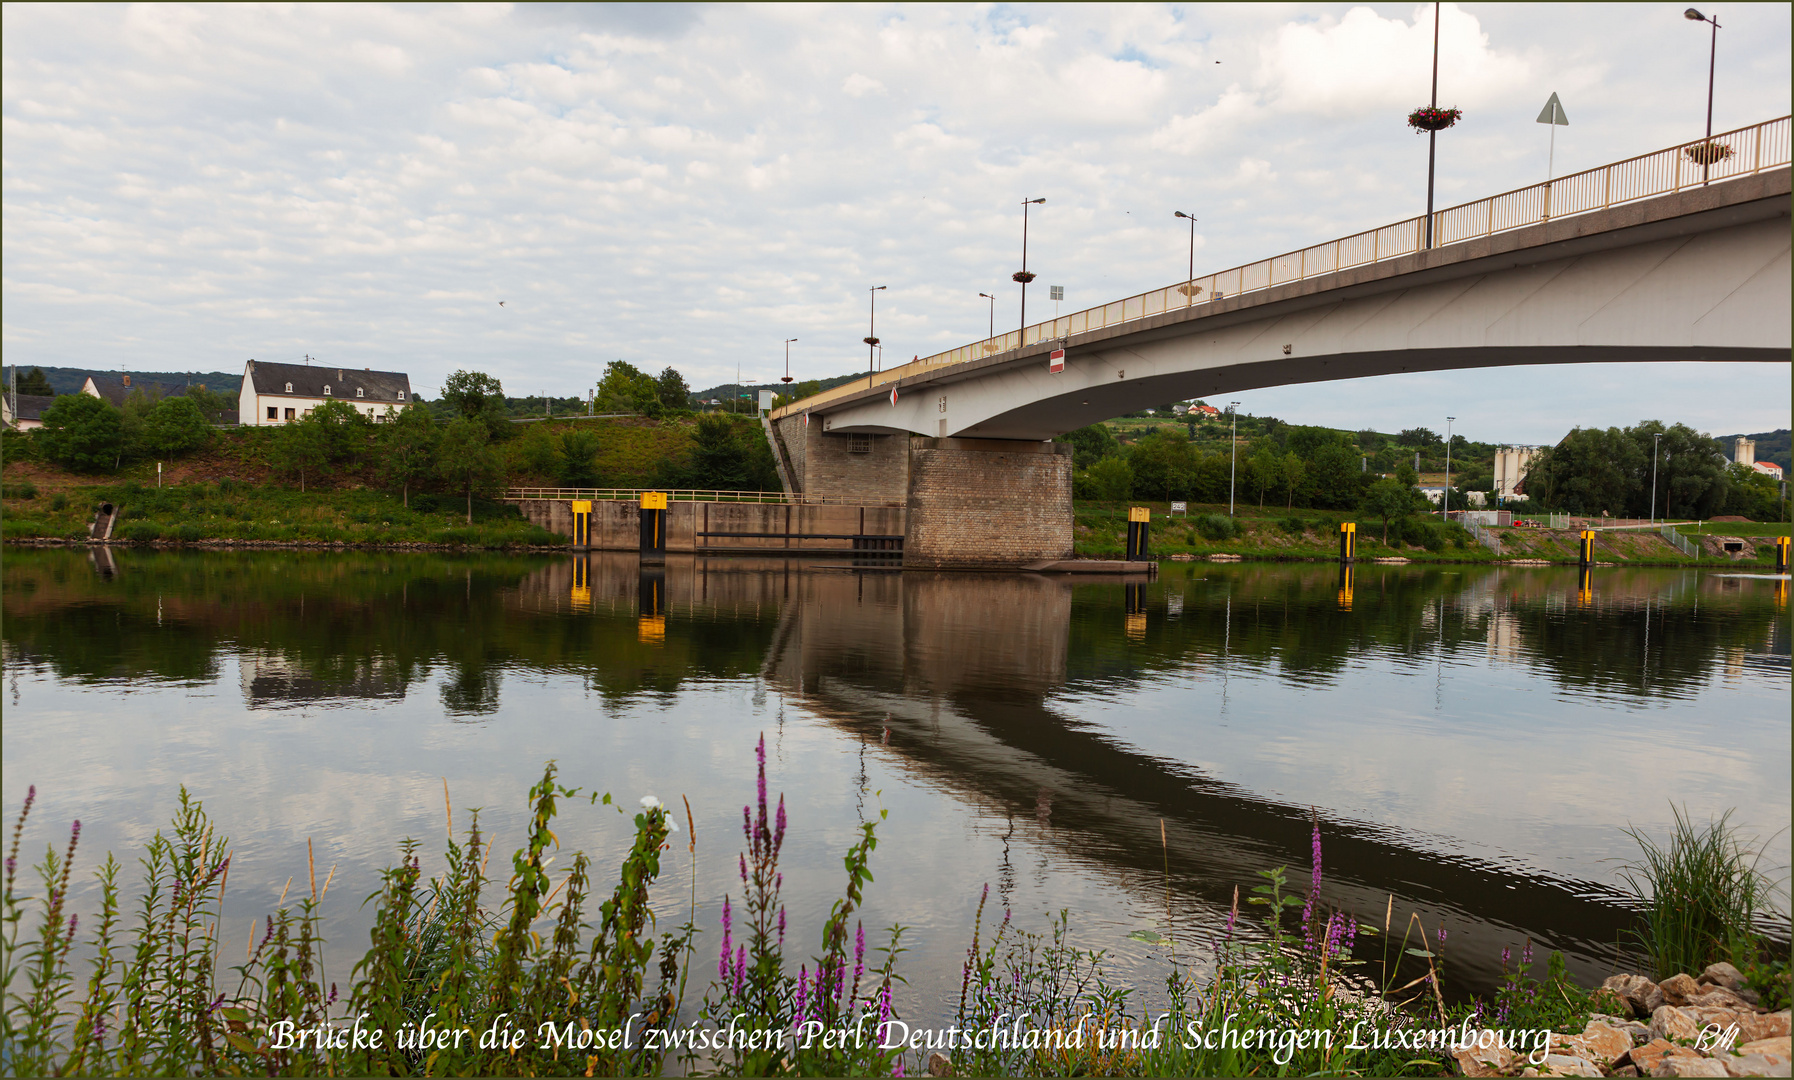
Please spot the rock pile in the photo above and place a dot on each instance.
(1709, 1025)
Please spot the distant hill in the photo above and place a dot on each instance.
(69, 380)
(1771, 446)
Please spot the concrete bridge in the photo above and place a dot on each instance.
(1635, 261)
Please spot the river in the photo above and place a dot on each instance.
(1474, 741)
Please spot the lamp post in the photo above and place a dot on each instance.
(1712, 58)
(1432, 137)
(1233, 427)
(1445, 496)
(871, 338)
(1189, 292)
(993, 312)
(1654, 437)
(1022, 276)
(788, 342)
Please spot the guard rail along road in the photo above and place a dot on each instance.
(1746, 151)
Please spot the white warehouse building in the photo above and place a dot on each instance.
(280, 393)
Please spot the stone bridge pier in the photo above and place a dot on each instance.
(970, 503)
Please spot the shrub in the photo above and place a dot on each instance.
(175, 426)
(83, 433)
(59, 501)
(1216, 527)
(187, 534)
(24, 490)
(141, 532)
(1294, 526)
(227, 486)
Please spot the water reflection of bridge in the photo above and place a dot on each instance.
(956, 675)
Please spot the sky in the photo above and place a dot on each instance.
(189, 186)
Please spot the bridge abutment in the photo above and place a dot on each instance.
(987, 503)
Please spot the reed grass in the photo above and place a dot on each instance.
(1701, 894)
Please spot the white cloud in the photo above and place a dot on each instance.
(187, 186)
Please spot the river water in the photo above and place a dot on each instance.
(1474, 741)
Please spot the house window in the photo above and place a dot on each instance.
(859, 444)
(401, 395)
(326, 389)
(358, 391)
(289, 388)
(273, 412)
(289, 414)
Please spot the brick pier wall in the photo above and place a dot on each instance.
(831, 466)
(987, 503)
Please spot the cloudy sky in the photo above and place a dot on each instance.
(186, 187)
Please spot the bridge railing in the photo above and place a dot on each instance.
(689, 495)
(1732, 154)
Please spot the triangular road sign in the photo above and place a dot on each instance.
(1553, 112)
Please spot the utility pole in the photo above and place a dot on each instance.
(1445, 496)
(1233, 427)
(1432, 137)
(1023, 276)
(1655, 436)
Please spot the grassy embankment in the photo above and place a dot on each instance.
(231, 492)
(1100, 531)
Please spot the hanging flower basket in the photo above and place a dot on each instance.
(1708, 153)
(1023, 276)
(1427, 118)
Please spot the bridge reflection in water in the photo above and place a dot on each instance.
(973, 684)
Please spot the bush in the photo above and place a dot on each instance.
(25, 490)
(1216, 527)
(187, 534)
(83, 433)
(1294, 526)
(141, 532)
(59, 501)
(175, 426)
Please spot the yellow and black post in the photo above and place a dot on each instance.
(1781, 554)
(1345, 586)
(1348, 541)
(1586, 555)
(1585, 585)
(1138, 519)
(654, 526)
(582, 583)
(651, 606)
(1135, 595)
(582, 524)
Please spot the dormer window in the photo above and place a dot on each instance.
(289, 388)
(401, 395)
(358, 391)
(326, 389)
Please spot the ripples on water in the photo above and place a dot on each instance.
(1472, 740)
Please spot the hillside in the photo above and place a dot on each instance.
(1771, 446)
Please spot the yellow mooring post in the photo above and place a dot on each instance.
(654, 526)
(1138, 521)
(1587, 554)
(1345, 586)
(582, 524)
(1781, 554)
(1348, 541)
(1585, 585)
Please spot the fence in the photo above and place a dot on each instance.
(1682, 543)
(1743, 152)
(1484, 536)
(683, 495)
(1484, 517)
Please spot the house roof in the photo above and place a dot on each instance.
(113, 389)
(32, 406)
(308, 381)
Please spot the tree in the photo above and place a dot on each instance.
(175, 426)
(83, 433)
(345, 431)
(1111, 479)
(464, 459)
(301, 447)
(577, 457)
(624, 389)
(1292, 469)
(1692, 478)
(1388, 499)
(407, 443)
(476, 395)
(670, 388)
(36, 382)
(1420, 438)
(1590, 471)
(1263, 470)
(1090, 445)
(1163, 464)
(731, 454)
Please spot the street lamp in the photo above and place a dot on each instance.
(1022, 276)
(871, 338)
(1445, 496)
(1712, 57)
(1432, 137)
(788, 342)
(1233, 427)
(1189, 281)
(1654, 437)
(993, 312)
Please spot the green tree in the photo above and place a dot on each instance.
(465, 461)
(345, 431)
(1692, 475)
(624, 389)
(1263, 470)
(407, 443)
(36, 382)
(730, 454)
(577, 457)
(1111, 479)
(1590, 471)
(1163, 464)
(1388, 499)
(671, 390)
(1420, 438)
(82, 433)
(475, 395)
(301, 447)
(1090, 445)
(1292, 471)
(175, 426)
